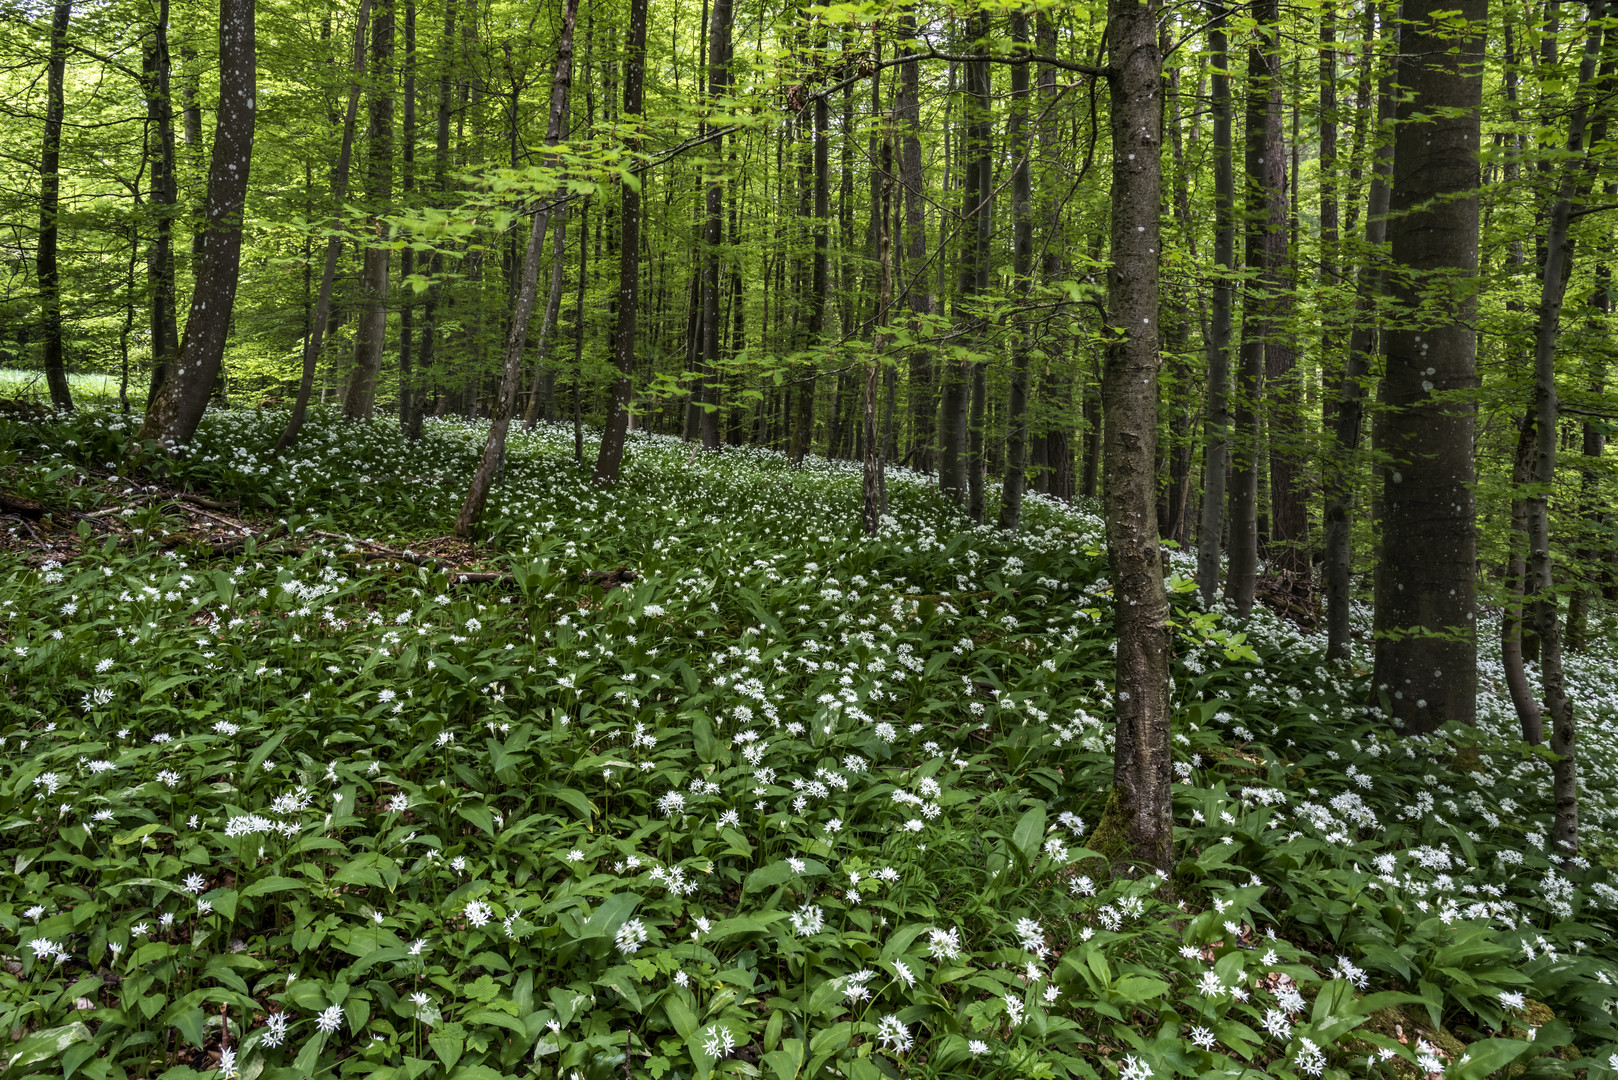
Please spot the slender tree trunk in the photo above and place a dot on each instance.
(1022, 267)
(955, 460)
(1265, 173)
(435, 288)
(1216, 443)
(719, 46)
(164, 321)
(873, 487)
(611, 455)
(407, 258)
(1056, 387)
(359, 396)
(578, 333)
(1141, 799)
(173, 415)
(1511, 619)
(918, 296)
(539, 391)
(1348, 415)
(50, 184)
(981, 163)
(1426, 647)
(1558, 266)
(494, 449)
(334, 245)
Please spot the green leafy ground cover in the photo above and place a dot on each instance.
(791, 803)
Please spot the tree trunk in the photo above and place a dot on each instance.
(164, 321)
(407, 257)
(1529, 717)
(540, 390)
(1141, 798)
(1341, 460)
(1216, 444)
(872, 488)
(1264, 177)
(1022, 266)
(1558, 266)
(359, 396)
(719, 46)
(907, 107)
(1426, 648)
(494, 448)
(1056, 385)
(980, 162)
(435, 273)
(50, 186)
(611, 455)
(334, 245)
(173, 415)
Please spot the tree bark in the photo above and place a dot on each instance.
(50, 186)
(359, 396)
(1141, 800)
(494, 448)
(1426, 647)
(611, 455)
(334, 245)
(172, 417)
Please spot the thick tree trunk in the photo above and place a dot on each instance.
(494, 448)
(359, 396)
(173, 415)
(1348, 415)
(50, 186)
(1141, 800)
(1022, 267)
(1264, 179)
(163, 319)
(1426, 647)
(611, 455)
(1216, 426)
(334, 245)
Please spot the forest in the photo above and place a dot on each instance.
(894, 538)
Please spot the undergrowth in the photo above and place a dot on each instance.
(787, 803)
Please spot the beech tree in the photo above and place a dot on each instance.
(1141, 801)
(1426, 585)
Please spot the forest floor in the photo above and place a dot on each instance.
(690, 777)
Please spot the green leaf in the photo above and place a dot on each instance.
(47, 1045)
(1030, 831)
